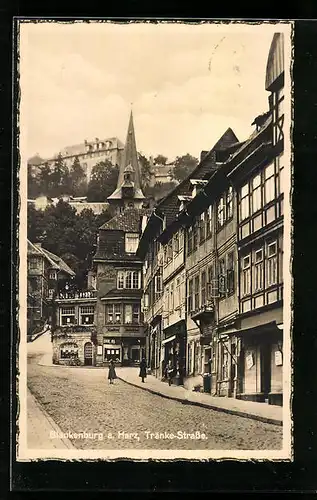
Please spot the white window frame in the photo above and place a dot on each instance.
(86, 312)
(129, 246)
(67, 312)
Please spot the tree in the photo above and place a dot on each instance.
(60, 234)
(145, 170)
(184, 165)
(59, 177)
(103, 181)
(160, 160)
(35, 224)
(77, 178)
(45, 180)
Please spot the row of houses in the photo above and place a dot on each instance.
(213, 263)
(198, 280)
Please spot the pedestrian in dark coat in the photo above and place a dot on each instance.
(142, 373)
(112, 372)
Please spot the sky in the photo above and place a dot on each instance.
(185, 83)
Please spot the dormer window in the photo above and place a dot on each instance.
(131, 242)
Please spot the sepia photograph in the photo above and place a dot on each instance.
(155, 240)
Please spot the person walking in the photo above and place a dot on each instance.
(170, 372)
(142, 373)
(112, 372)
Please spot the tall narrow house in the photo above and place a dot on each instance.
(128, 193)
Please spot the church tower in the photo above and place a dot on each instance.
(128, 193)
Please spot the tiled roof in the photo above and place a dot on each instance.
(136, 294)
(53, 259)
(127, 221)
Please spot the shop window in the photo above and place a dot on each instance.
(67, 316)
(68, 351)
(135, 354)
(112, 353)
(86, 315)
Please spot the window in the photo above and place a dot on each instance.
(176, 243)
(120, 280)
(196, 306)
(224, 362)
(113, 313)
(203, 288)
(221, 212)
(222, 277)
(171, 297)
(51, 293)
(34, 263)
(190, 295)
(202, 228)
(52, 275)
(208, 221)
(269, 183)
(158, 283)
(246, 275)
(258, 270)
(86, 315)
(230, 273)
(229, 208)
(68, 350)
(131, 242)
(281, 174)
(128, 313)
(256, 193)
(271, 264)
(195, 236)
(129, 279)
(244, 203)
(190, 240)
(177, 294)
(67, 316)
(170, 250)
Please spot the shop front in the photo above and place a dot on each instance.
(261, 364)
(173, 348)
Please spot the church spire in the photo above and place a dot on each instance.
(128, 191)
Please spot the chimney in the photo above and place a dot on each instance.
(203, 154)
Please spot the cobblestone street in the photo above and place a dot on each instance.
(121, 416)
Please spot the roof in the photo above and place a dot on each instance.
(128, 221)
(131, 293)
(35, 160)
(275, 62)
(130, 159)
(55, 261)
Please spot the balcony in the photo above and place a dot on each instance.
(203, 311)
(76, 295)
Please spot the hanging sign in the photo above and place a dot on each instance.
(278, 358)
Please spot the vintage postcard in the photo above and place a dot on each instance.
(155, 284)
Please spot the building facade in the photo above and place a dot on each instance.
(46, 274)
(258, 176)
(105, 322)
(89, 153)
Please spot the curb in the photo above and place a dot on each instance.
(266, 420)
(68, 444)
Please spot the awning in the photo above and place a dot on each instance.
(258, 329)
(169, 339)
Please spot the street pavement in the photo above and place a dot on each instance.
(94, 415)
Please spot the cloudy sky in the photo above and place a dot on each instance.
(187, 83)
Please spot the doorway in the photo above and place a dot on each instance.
(265, 370)
(88, 354)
